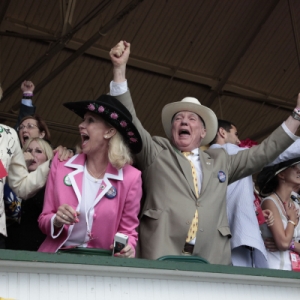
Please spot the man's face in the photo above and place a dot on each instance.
(187, 131)
(232, 136)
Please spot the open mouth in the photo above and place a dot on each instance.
(84, 138)
(25, 138)
(184, 132)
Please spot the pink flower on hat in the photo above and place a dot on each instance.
(130, 133)
(91, 106)
(134, 140)
(101, 109)
(123, 123)
(114, 115)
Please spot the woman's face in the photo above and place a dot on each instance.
(29, 129)
(92, 131)
(291, 175)
(38, 154)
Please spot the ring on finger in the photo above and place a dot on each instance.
(63, 216)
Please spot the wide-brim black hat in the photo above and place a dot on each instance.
(265, 178)
(114, 113)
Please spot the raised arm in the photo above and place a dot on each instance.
(24, 184)
(26, 107)
(293, 121)
(254, 159)
(119, 57)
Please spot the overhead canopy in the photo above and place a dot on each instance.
(240, 58)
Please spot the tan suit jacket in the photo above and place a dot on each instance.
(170, 200)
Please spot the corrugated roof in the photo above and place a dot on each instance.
(179, 48)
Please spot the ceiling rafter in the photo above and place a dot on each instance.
(239, 55)
(55, 48)
(67, 8)
(265, 131)
(81, 50)
(229, 89)
(3, 8)
(295, 31)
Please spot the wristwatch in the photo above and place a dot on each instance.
(295, 116)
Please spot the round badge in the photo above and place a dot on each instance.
(221, 176)
(112, 193)
(67, 181)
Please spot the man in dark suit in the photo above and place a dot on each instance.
(178, 202)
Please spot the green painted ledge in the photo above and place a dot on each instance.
(63, 258)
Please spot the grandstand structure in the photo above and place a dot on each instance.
(240, 58)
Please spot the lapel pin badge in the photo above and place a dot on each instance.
(221, 176)
(67, 180)
(112, 193)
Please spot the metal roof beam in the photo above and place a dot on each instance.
(55, 48)
(229, 89)
(295, 31)
(100, 33)
(29, 36)
(239, 56)
(67, 8)
(3, 8)
(265, 132)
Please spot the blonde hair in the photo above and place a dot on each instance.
(118, 152)
(46, 148)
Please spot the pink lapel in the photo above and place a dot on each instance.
(76, 177)
(110, 173)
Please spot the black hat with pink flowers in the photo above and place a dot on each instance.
(114, 113)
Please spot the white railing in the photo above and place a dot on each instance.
(30, 275)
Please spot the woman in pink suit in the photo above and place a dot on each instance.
(97, 192)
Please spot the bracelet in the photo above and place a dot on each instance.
(30, 94)
(292, 246)
(296, 116)
(292, 222)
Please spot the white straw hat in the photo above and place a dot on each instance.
(193, 105)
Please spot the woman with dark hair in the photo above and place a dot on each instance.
(96, 193)
(32, 127)
(277, 183)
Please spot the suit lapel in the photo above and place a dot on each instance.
(111, 173)
(207, 164)
(76, 177)
(186, 170)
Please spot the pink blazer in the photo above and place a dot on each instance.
(120, 214)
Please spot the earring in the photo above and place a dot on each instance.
(105, 136)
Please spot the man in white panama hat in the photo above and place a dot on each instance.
(176, 201)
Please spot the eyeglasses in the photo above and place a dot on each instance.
(29, 126)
